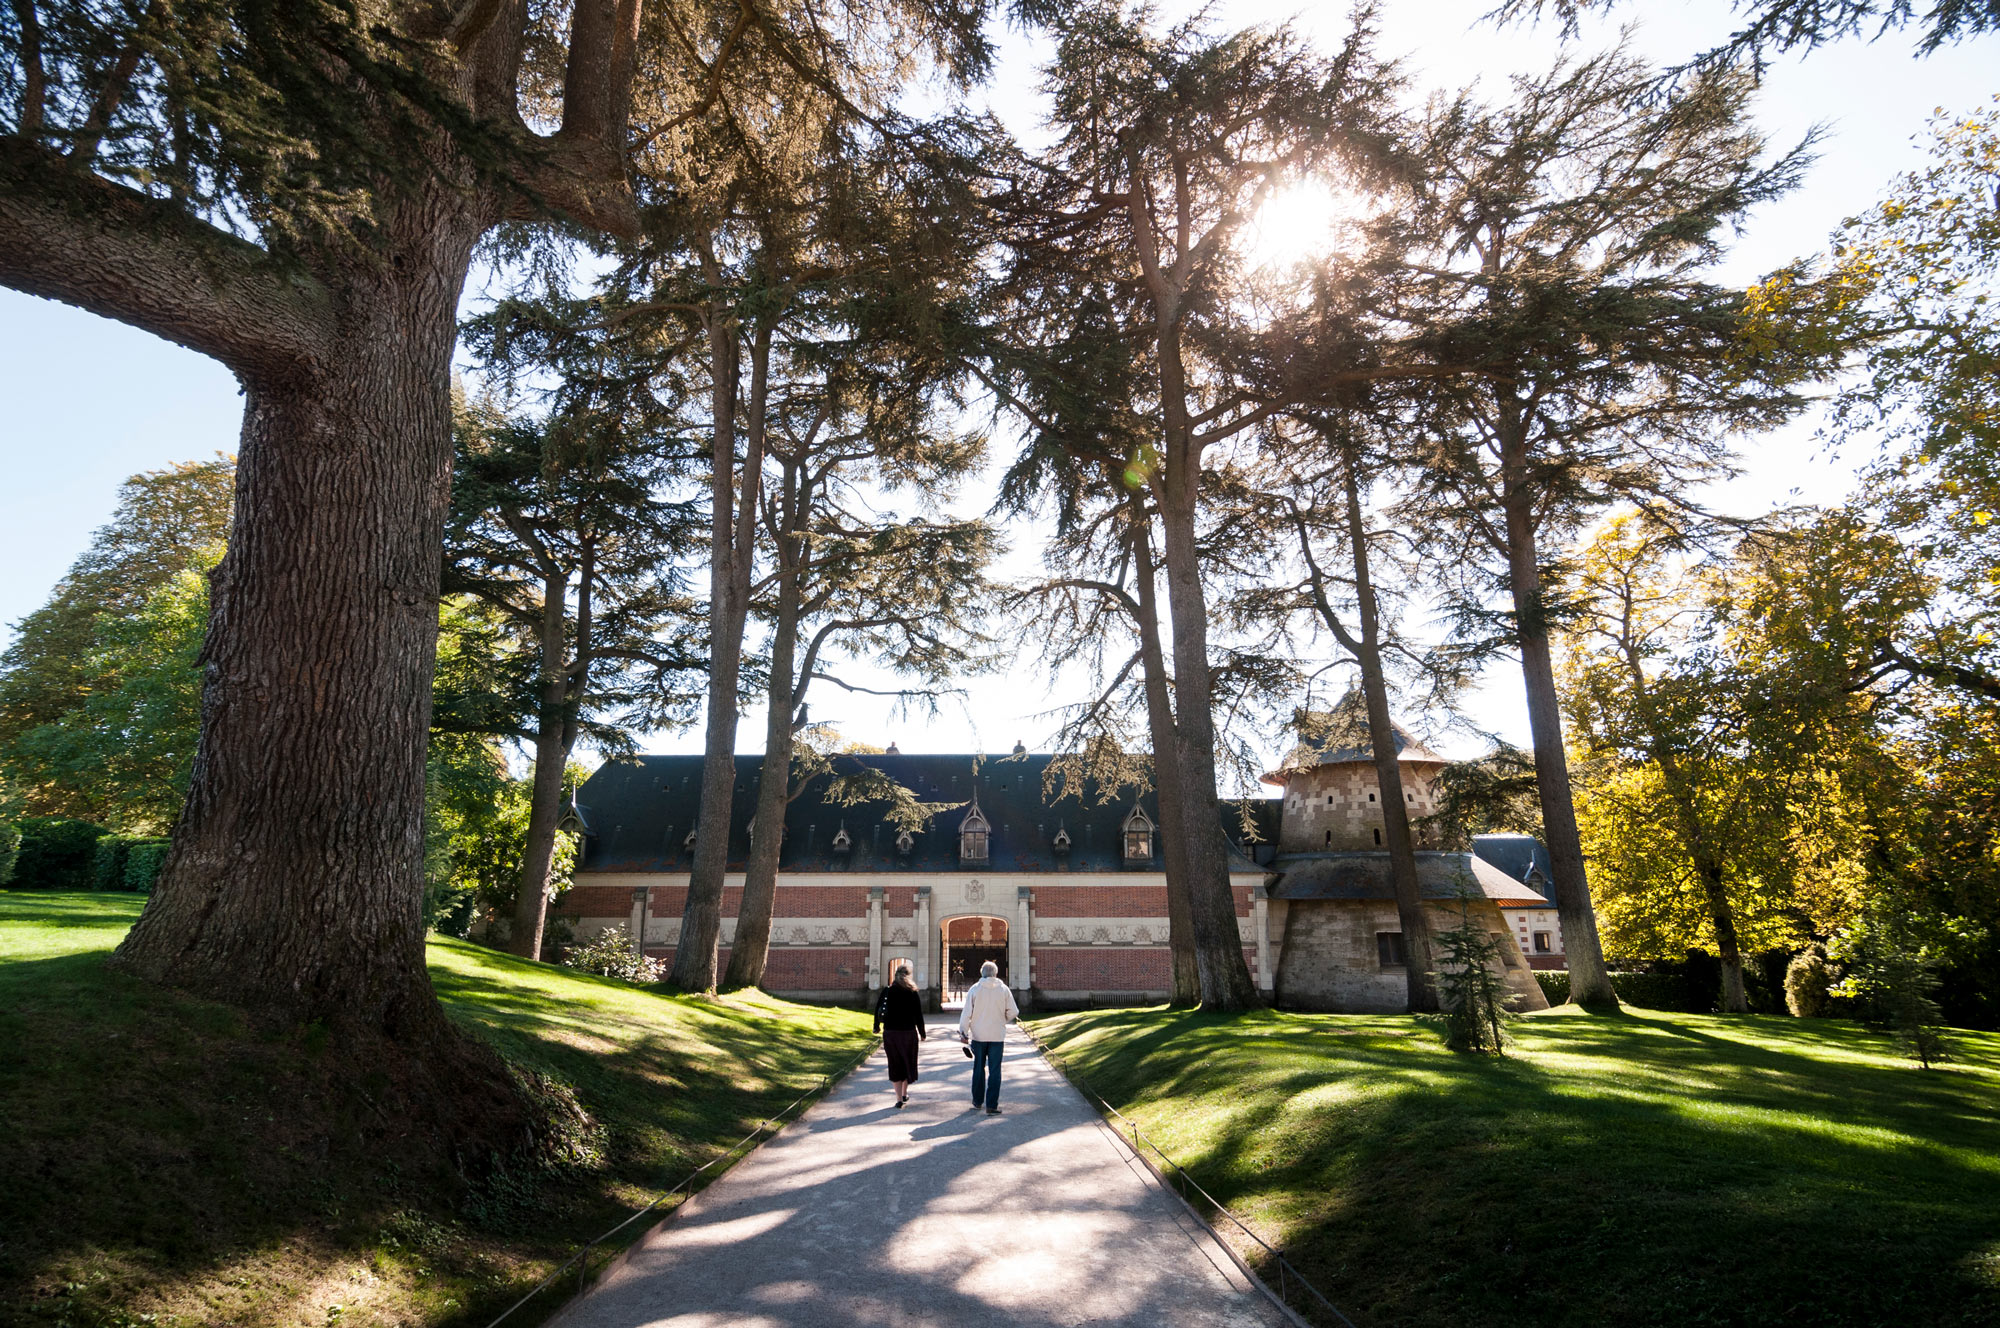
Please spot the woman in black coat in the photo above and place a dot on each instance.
(899, 1018)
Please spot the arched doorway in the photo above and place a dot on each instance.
(968, 943)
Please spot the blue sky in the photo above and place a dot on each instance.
(88, 401)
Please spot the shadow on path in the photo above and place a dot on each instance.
(933, 1215)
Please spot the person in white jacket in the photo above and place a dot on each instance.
(989, 1008)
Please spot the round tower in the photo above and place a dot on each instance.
(1333, 801)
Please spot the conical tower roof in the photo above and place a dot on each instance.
(1340, 737)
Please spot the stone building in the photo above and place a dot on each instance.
(1331, 902)
(1067, 896)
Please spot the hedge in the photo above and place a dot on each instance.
(57, 853)
(127, 862)
(10, 850)
(143, 863)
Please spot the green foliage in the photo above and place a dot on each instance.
(98, 694)
(1471, 994)
(1493, 794)
(1892, 956)
(1809, 982)
(56, 853)
(107, 869)
(610, 954)
(143, 862)
(10, 834)
(1554, 983)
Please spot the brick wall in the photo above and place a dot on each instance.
(1103, 968)
(823, 968)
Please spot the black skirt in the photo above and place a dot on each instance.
(901, 1044)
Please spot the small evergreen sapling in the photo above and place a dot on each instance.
(1470, 992)
(1892, 957)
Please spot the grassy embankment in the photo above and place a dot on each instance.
(1643, 1169)
(161, 1156)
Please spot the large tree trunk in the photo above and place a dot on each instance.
(294, 885)
(531, 896)
(1589, 980)
(732, 532)
(752, 945)
(1166, 771)
(1388, 767)
(1218, 941)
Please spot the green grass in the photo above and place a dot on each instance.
(1641, 1169)
(163, 1156)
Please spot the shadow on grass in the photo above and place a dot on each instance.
(1638, 1169)
(162, 1153)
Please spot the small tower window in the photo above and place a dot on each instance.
(1371, 797)
(1378, 839)
(973, 833)
(1138, 832)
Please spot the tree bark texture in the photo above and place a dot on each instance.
(731, 545)
(294, 884)
(752, 944)
(1166, 772)
(1388, 766)
(1225, 978)
(1589, 979)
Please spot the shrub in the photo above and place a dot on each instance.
(143, 862)
(107, 864)
(1809, 983)
(609, 954)
(1555, 984)
(10, 850)
(57, 853)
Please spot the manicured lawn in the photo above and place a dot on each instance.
(161, 1156)
(1645, 1169)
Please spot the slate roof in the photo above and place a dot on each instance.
(1340, 736)
(1521, 856)
(1365, 875)
(636, 816)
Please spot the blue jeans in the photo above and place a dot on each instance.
(986, 1073)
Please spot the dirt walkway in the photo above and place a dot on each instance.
(936, 1214)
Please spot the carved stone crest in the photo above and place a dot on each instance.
(975, 892)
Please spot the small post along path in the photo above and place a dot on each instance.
(936, 1216)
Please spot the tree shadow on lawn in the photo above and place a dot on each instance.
(1635, 1170)
(719, 1074)
(157, 1143)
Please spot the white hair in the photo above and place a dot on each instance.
(989, 969)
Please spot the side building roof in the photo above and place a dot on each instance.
(637, 815)
(1522, 857)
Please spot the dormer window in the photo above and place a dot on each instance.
(1138, 832)
(1061, 842)
(905, 841)
(842, 841)
(688, 843)
(973, 833)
